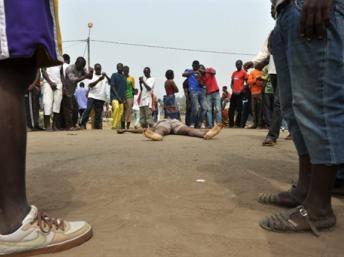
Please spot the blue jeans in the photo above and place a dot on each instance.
(214, 100)
(199, 107)
(311, 83)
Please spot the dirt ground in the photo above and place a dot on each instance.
(143, 199)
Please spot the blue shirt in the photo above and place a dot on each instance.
(119, 84)
(81, 98)
(194, 85)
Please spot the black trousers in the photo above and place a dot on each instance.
(188, 112)
(32, 109)
(268, 106)
(235, 106)
(98, 109)
(276, 120)
(247, 110)
(70, 111)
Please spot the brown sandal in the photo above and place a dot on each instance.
(289, 200)
(283, 222)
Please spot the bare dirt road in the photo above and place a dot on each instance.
(143, 199)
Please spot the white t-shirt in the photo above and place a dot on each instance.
(136, 106)
(263, 54)
(98, 92)
(146, 96)
(54, 74)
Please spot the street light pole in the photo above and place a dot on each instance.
(90, 26)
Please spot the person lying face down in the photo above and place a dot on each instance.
(174, 127)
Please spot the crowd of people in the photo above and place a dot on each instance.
(253, 91)
(306, 45)
(68, 95)
(68, 104)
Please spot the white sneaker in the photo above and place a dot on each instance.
(41, 234)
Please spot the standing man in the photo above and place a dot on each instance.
(239, 77)
(225, 102)
(276, 120)
(24, 230)
(52, 95)
(81, 98)
(136, 108)
(310, 35)
(66, 63)
(198, 101)
(129, 97)
(32, 103)
(213, 98)
(96, 97)
(188, 104)
(117, 95)
(256, 82)
(146, 98)
(74, 74)
(268, 98)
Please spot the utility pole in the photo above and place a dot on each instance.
(90, 26)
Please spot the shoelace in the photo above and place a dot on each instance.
(46, 223)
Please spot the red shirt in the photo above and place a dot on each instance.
(239, 78)
(170, 87)
(210, 81)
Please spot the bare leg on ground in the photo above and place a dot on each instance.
(134, 131)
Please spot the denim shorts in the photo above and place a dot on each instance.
(311, 82)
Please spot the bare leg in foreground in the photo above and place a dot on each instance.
(15, 77)
(23, 229)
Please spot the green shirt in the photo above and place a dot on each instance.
(130, 87)
(268, 87)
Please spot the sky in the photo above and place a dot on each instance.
(217, 25)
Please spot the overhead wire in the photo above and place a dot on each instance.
(165, 47)
(72, 45)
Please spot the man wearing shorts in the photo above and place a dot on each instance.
(173, 127)
(27, 42)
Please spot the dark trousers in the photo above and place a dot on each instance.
(257, 109)
(75, 112)
(246, 110)
(69, 108)
(268, 105)
(188, 112)
(235, 106)
(81, 112)
(98, 109)
(32, 109)
(276, 120)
